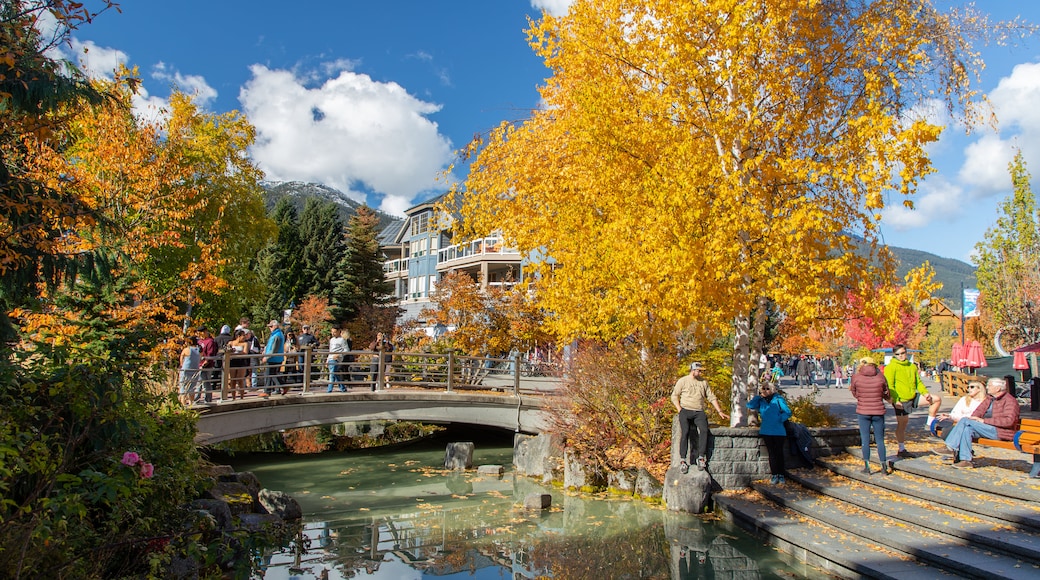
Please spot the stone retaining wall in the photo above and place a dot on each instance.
(736, 456)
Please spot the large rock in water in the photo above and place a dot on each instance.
(687, 492)
(647, 485)
(280, 504)
(459, 455)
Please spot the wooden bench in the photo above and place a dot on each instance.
(1027, 440)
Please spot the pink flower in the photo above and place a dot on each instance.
(131, 459)
(147, 470)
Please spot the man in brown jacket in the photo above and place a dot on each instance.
(1002, 423)
(689, 395)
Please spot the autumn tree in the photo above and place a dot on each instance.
(35, 91)
(696, 162)
(96, 262)
(863, 330)
(483, 321)
(1007, 261)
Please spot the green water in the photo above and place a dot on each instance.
(395, 514)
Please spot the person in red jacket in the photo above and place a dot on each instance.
(1001, 423)
(870, 389)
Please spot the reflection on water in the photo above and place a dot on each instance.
(396, 514)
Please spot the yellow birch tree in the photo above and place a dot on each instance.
(696, 160)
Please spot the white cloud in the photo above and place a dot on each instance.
(554, 7)
(1015, 98)
(97, 62)
(937, 199)
(349, 133)
(194, 85)
(985, 167)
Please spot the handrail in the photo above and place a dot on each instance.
(316, 370)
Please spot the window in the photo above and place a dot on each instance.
(421, 223)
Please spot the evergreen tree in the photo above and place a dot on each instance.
(321, 230)
(362, 282)
(281, 264)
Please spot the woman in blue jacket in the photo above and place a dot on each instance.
(773, 411)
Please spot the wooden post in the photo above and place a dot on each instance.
(225, 371)
(307, 362)
(451, 369)
(516, 375)
(379, 370)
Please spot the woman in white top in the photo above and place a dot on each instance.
(964, 407)
(190, 361)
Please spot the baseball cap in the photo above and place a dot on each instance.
(225, 329)
(696, 366)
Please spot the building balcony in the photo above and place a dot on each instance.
(491, 247)
(395, 266)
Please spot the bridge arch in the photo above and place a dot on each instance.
(230, 420)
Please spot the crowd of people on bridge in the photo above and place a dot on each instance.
(272, 366)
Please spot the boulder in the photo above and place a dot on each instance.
(246, 478)
(280, 504)
(623, 481)
(234, 494)
(647, 485)
(459, 455)
(577, 475)
(537, 501)
(495, 470)
(217, 509)
(687, 492)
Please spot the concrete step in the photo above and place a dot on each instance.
(998, 471)
(937, 490)
(821, 545)
(891, 497)
(938, 549)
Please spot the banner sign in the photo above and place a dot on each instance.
(971, 302)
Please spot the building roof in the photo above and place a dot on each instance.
(388, 235)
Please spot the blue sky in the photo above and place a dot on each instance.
(399, 85)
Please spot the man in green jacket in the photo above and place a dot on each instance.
(908, 391)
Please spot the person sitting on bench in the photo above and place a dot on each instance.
(1002, 423)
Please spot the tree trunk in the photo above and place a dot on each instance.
(758, 336)
(739, 385)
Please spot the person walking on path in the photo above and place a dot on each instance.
(688, 396)
(907, 391)
(1003, 422)
(827, 369)
(773, 411)
(870, 389)
(801, 370)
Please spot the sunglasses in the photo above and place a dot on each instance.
(901, 353)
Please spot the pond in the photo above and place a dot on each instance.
(395, 513)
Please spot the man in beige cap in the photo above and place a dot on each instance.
(688, 396)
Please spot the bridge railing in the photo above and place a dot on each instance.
(234, 375)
